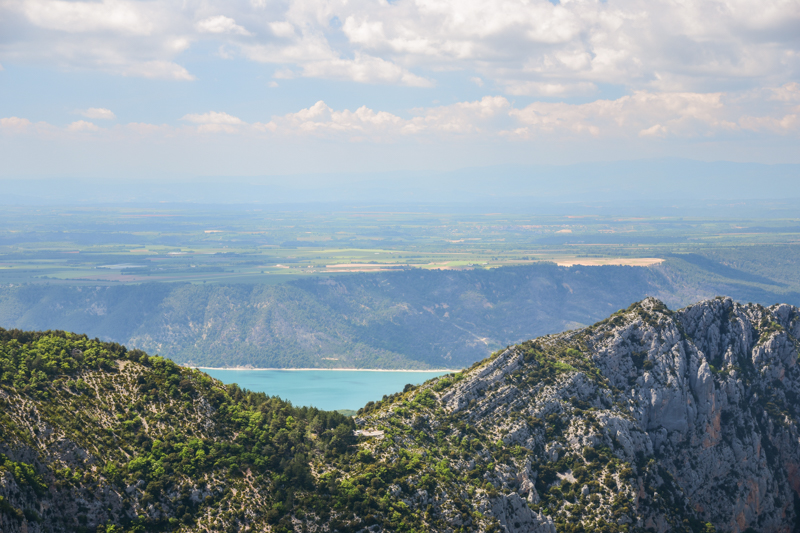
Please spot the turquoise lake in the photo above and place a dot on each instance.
(323, 389)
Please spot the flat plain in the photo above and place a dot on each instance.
(196, 244)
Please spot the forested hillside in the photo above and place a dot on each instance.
(650, 420)
(94, 437)
(407, 319)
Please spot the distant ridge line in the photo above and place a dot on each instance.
(326, 369)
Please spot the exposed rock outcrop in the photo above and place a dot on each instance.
(651, 419)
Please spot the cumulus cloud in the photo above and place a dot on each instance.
(213, 117)
(364, 69)
(532, 48)
(282, 29)
(14, 123)
(539, 88)
(99, 113)
(85, 17)
(123, 37)
(82, 125)
(367, 124)
(789, 92)
(215, 121)
(221, 24)
(781, 125)
(643, 115)
(464, 117)
(320, 119)
(658, 44)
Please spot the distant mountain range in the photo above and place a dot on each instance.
(402, 320)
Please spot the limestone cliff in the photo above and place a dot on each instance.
(651, 419)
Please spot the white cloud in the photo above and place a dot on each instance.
(790, 92)
(270, 126)
(641, 115)
(781, 125)
(656, 130)
(282, 29)
(528, 47)
(320, 119)
(213, 117)
(364, 69)
(364, 31)
(221, 24)
(645, 115)
(14, 123)
(123, 37)
(539, 88)
(464, 117)
(679, 45)
(365, 124)
(82, 125)
(215, 121)
(81, 17)
(99, 113)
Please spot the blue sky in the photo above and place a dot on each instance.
(122, 88)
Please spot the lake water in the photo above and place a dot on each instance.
(324, 389)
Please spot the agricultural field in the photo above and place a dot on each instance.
(112, 245)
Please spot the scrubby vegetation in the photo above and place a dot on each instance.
(166, 447)
(465, 462)
(558, 431)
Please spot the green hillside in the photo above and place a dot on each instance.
(94, 437)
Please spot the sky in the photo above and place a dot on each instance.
(160, 88)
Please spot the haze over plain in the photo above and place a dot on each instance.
(120, 88)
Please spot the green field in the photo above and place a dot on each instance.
(110, 245)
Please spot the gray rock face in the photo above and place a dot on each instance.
(651, 419)
(515, 516)
(719, 405)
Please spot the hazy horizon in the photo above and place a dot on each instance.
(664, 187)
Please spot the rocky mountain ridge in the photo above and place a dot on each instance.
(650, 420)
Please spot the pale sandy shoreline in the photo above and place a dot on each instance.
(325, 369)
